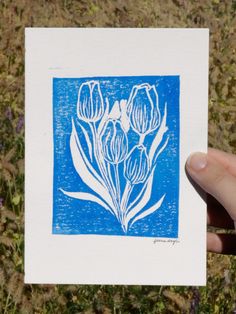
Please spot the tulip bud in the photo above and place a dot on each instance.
(136, 165)
(114, 142)
(90, 105)
(142, 109)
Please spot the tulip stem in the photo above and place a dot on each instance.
(116, 170)
(102, 167)
(141, 139)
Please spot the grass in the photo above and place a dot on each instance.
(219, 296)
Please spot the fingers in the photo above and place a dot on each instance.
(226, 159)
(217, 216)
(214, 178)
(216, 174)
(221, 243)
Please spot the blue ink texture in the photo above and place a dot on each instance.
(116, 156)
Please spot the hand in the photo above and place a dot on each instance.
(215, 172)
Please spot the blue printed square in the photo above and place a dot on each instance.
(116, 156)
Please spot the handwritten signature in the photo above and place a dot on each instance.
(171, 241)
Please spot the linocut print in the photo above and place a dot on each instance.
(116, 156)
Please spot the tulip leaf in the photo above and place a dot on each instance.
(158, 138)
(115, 112)
(87, 197)
(146, 188)
(87, 141)
(149, 211)
(160, 150)
(85, 170)
(142, 199)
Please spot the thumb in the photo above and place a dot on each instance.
(214, 178)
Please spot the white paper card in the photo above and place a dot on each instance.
(111, 117)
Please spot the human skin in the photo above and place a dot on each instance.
(215, 173)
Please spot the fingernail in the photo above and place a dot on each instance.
(197, 161)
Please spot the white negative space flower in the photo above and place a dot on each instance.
(90, 104)
(143, 109)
